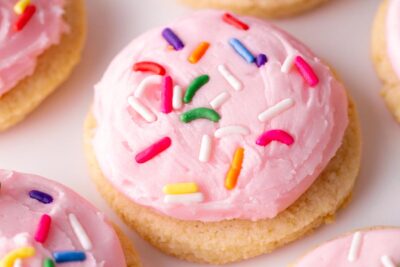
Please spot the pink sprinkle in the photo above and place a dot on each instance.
(275, 135)
(43, 228)
(306, 71)
(166, 95)
(153, 150)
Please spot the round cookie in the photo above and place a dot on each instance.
(224, 163)
(44, 222)
(368, 247)
(385, 53)
(55, 33)
(261, 8)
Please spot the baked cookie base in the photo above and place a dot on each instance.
(53, 67)
(260, 8)
(131, 256)
(234, 240)
(391, 83)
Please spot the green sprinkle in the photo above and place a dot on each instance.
(194, 86)
(48, 263)
(200, 113)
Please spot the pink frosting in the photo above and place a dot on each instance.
(272, 177)
(373, 245)
(393, 34)
(20, 216)
(19, 50)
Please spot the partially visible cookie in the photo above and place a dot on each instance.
(386, 53)
(260, 8)
(377, 246)
(26, 81)
(44, 223)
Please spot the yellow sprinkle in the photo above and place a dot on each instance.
(199, 52)
(234, 170)
(180, 188)
(20, 7)
(20, 253)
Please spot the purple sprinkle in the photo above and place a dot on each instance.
(261, 59)
(41, 196)
(172, 39)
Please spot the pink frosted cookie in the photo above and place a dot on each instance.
(371, 247)
(45, 224)
(386, 52)
(220, 120)
(40, 43)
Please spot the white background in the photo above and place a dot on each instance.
(49, 141)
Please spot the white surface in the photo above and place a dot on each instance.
(49, 142)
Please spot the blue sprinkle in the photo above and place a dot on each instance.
(41, 196)
(68, 256)
(261, 59)
(172, 39)
(242, 50)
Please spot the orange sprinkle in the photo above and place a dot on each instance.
(170, 48)
(199, 52)
(235, 168)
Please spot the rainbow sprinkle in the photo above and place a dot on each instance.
(306, 71)
(180, 188)
(194, 86)
(228, 18)
(146, 83)
(261, 59)
(153, 150)
(166, 95)
(148, 66)
(234, 170)
(229, 77)
(80, 232)
(24, 18)
(48, 263)
(199, 52)
(43, 228)
(69, 256)
(200, 113)
(184, 198)
(141, 109)
(230, 130)
(275, 135)
(41, 196)
(20, 6)
(20, 253)
(172, 39)
(219, 100)
(242, 50)
(205, 148)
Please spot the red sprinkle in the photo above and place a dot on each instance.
(150, 67)
(43, 228)
(153, 150)
(228, 18)
(24, 18)
(306, 71)
(275, 135)
(166, 95)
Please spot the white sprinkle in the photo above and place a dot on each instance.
(177, 98)
(276, 109)
(219, 100)
(22, 239)
(17, 263)
(205, 148)
(387, 261)
(184, 198)
(232, 80)
(141, 109)
(146, 82)
(288, 63)
(355, 247)
(231, 129)
(80, 232)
